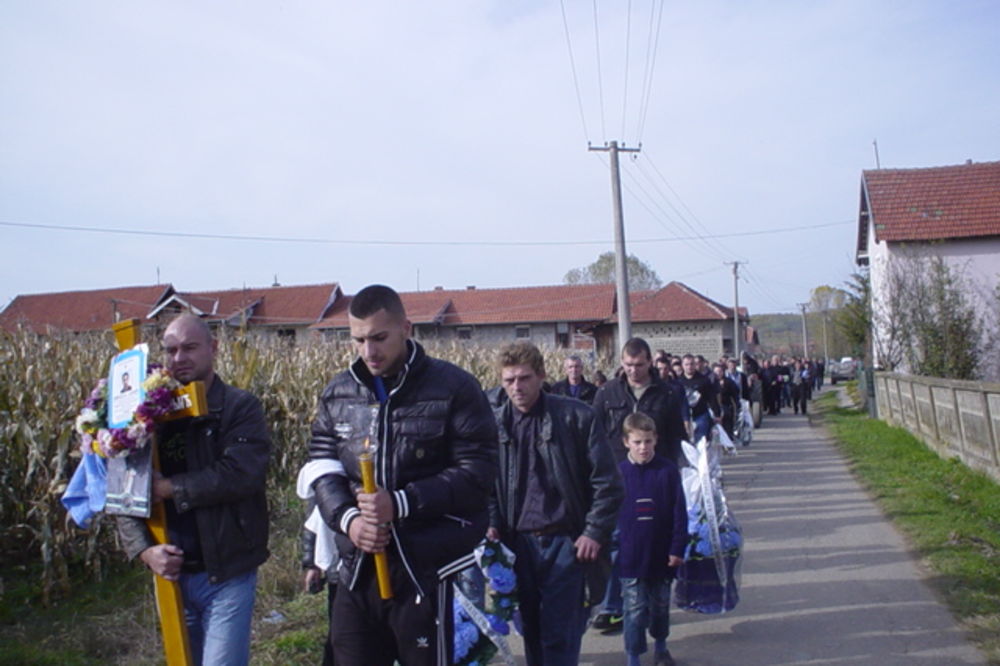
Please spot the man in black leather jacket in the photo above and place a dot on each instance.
(213, 485)
(638, 389)
(434, 442)
(574, 386)
(555, 505)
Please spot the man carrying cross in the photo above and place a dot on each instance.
(212, 484)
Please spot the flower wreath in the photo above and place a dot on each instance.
(92, 421)
(480, 633)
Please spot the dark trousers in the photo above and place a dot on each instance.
(800, 396)
(369, 631)
(551, 592)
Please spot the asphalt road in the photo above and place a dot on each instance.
(826, 579)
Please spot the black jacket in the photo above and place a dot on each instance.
(436, 455)
(662, 401)
(587, 390)
(227, 457)
(576, 459)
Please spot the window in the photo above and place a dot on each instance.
(464, 332)
(522, 331)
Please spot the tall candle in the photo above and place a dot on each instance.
(381, 562)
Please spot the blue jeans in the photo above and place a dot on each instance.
(702, 427)
(551, 592)
(647, 606)
(218, 617)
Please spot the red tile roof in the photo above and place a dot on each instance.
(936, 203)
(82, 310)
(570, 303)
(422, 307)
(676, 302)
(580, 303)
(266, 306)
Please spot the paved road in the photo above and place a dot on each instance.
(826, 579)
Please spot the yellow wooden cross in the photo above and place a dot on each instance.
(169, 602)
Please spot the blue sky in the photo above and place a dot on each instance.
(415, 142)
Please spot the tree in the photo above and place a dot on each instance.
(640, 274)
(853, 320)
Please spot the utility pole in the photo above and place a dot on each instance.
(736, 309)
(621, 267)
(805, 333)
(826, 347)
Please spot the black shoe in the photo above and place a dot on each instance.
(664, 659)
(608, 622)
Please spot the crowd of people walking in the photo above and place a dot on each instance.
(412, 465)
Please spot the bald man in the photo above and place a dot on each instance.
(211, 482)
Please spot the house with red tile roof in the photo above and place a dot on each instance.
(80, 311)
(951, 212)
(675, 318)
(579, 317)
(281, 309)
(278, 309)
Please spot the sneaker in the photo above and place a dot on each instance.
(607, 622)
(615, 624)
(664, 659)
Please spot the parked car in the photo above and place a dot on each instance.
(843, 370)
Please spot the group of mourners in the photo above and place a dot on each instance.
(569, 478)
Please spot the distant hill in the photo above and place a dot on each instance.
(779, 333)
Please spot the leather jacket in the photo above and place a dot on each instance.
(587, 390)
(436, 454)
(227, 453)
(576, 458)
(662, 401)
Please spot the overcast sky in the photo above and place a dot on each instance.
(416, 144)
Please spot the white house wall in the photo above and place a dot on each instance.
(977, 259)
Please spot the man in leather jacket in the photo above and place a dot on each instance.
(555, 505)
(434, 442)
(213, 485)
(575, 386)
(638, 389)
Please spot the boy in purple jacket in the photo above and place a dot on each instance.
(653, 530)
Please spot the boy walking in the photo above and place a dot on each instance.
(653, 529)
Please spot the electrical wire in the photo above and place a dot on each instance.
(572, 65)
(600, 78)
(628, 37)
(652, 45)
(341, 241)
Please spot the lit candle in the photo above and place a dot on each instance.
(368, 483)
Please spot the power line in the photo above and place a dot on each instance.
(341, 241)
(628, 38)
(600, 80)
(652, 44)
(572, 65)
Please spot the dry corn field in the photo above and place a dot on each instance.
(44, 381)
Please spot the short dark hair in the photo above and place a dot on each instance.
(521, 353)
(638, 421)
(637, 346)
(377, 297)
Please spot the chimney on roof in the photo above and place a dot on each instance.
(438, 288)
(969, 161)
(471, 287)
(276, 283)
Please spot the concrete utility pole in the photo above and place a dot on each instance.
(805, 333)
(736, 309)
(621, 267)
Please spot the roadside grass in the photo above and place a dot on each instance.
(949, 513)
